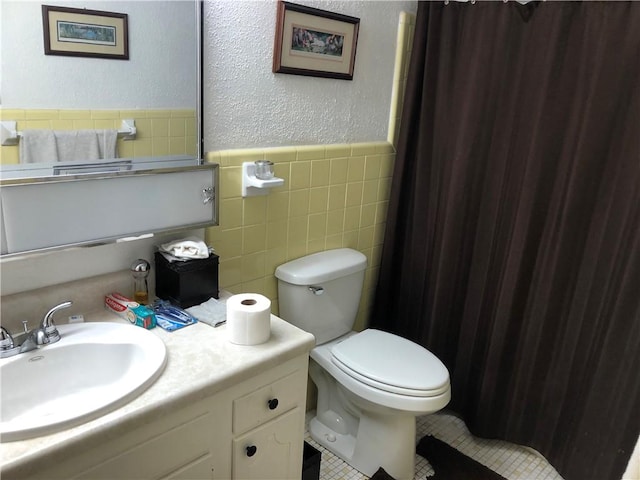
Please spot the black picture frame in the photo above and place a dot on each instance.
(314, 42)
(79, 32)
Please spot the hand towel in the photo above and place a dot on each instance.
(108, 143)
(38, 146)
(73, 145)
(48, 146)
(212, 312)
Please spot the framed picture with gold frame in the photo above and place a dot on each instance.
(314, 42)
(79, 32)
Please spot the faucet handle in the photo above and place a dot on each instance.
(6, 340)
(52, 334)
(8, 347)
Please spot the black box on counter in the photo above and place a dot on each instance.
(187, 283)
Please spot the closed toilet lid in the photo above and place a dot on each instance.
(391, 363)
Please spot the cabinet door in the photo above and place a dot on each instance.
(272, 451)
(189, 443)
(183, 452)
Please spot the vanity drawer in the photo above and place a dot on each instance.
(268, 402)
(272, 451)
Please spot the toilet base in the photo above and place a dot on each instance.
(386, 441)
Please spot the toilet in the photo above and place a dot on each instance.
(371, 384)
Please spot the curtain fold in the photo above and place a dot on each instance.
(512, 237)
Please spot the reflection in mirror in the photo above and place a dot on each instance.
(157, 87)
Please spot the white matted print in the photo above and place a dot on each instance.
(314, 42)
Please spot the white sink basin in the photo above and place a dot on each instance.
(93, 369)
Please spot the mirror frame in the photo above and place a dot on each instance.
(15, 170)
(120, 167)
(125, 185)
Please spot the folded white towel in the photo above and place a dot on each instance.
(212, 312)
(186, 248)
(38, 146)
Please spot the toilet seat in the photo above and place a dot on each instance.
(391, 363)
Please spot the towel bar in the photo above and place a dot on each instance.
(10, 136)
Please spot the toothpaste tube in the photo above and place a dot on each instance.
(128, 309)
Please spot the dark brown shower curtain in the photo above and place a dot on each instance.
(512, 247)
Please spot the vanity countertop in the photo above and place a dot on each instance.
(200, 362)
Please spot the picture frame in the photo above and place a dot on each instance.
(314, 42)
(80, 32)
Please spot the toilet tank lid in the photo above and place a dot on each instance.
(322, 267)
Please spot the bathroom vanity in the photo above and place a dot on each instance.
(218, 411)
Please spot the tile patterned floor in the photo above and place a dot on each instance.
(511, 461)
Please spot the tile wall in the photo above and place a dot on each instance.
(334, 196)
(159, 132)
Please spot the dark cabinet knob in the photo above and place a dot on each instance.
(273, 404)
(251, 450)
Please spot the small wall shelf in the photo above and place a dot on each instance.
(253, 186)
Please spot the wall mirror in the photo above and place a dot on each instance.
(156, 90)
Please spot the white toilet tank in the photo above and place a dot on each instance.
(320, 293)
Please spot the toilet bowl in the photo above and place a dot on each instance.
(371, 384)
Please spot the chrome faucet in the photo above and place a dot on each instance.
(45, 333)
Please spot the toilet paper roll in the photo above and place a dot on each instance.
(248, 319)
